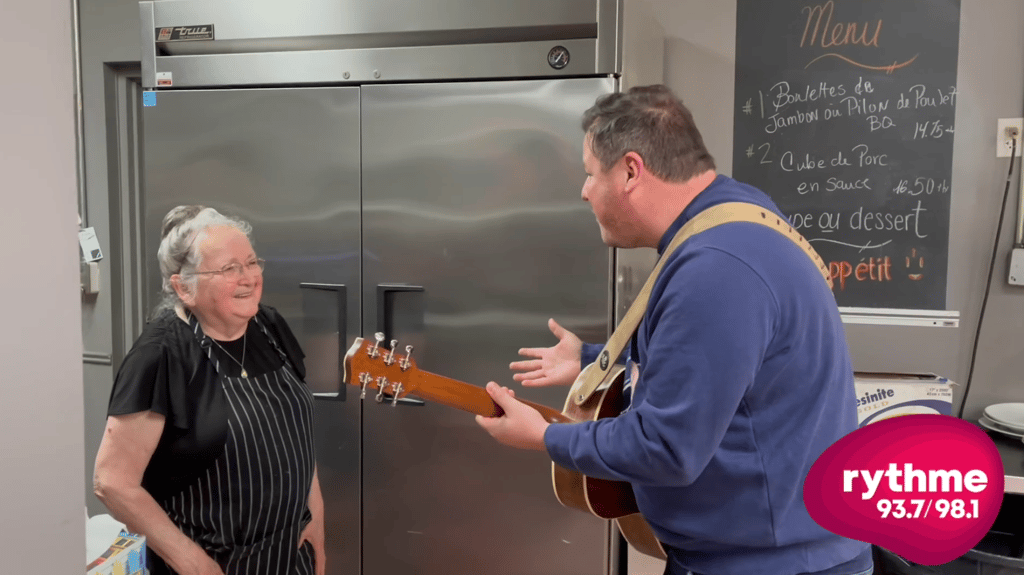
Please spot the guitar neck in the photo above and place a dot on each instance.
(467, 397)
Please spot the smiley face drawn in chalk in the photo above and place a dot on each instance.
(915, 262)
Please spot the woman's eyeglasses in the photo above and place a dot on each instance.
(234, 271)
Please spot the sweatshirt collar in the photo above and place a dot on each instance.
(698, 205)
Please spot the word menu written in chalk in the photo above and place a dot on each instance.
(845, 116)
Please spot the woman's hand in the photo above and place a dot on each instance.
(314, 532)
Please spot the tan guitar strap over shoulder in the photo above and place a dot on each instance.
(709, 218)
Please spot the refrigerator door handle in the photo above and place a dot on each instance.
(385, 305)
(342, 302)
(385, 326)
(393, 401)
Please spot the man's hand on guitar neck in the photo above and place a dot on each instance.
(556, 365)
(521, 426)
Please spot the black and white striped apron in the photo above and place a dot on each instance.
(251, 506)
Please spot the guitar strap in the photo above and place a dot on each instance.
(705, 220)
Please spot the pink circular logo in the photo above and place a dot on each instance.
(926, 487)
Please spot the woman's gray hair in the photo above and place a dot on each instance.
(181, 234)
(654, 123)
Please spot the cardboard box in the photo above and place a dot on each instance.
(884, 395)
(125, 556)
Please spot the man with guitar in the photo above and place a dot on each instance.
(740, 372)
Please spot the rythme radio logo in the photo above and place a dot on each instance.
(935, 481)
(926, 487)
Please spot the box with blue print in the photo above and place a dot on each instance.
(884, 395)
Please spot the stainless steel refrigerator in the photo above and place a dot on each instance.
(444, 212)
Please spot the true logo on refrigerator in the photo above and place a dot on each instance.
(184, 33)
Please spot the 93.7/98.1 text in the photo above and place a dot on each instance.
(920, 508)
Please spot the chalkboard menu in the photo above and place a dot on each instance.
(845, 117)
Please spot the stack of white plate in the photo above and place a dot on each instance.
(1005, 418)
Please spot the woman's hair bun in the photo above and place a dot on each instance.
(178, 216)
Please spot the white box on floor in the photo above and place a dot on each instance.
(884, 395)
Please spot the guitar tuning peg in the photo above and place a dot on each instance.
(364, 378)
(396, 389)
(379, 337)
(404, 364)
(390, 357)
(382, 382)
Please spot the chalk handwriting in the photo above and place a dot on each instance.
(853, 136)
(861, 219)
(921, 185)
(834, 184)
(828, 35)
(778, 122)
(887, 221)
(840, 34)
(862, 106)
(782, 95)
(867, 246)
(933, 130)
(861, 154)
(922, 97)
(878, 269)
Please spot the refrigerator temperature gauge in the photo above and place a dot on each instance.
(558, 57)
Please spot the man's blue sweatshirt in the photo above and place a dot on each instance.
(744, 380)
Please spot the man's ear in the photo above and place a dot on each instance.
(182, 289)
(634, 169)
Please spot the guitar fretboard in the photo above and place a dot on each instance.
(467, 397)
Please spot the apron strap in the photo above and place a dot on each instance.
(205, 343)
(273, 340)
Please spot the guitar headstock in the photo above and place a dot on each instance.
(369, 365)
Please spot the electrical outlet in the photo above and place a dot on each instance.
(1016, 275)
(1003, 136)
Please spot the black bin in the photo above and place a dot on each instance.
(1000, 552)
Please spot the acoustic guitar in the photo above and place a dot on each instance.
(371, 366)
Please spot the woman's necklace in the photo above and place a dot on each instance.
(240, 363)
(187, 316)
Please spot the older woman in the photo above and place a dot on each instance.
(208, 448)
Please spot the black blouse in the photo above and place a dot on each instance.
(167, 372)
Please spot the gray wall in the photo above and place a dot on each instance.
(991, 80)
(699, 60)
(40, 348)
(109, 32)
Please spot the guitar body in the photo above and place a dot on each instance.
(606, 499)
(601, 497)
(640, 536)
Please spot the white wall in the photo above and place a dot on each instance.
(41, 492)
